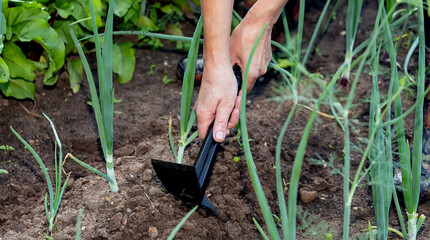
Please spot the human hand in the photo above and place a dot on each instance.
(241, 43)
(217, 100)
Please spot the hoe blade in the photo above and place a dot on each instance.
(180, 180)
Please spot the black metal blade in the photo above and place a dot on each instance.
(180, 180)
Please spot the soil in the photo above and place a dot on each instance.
(141, 209)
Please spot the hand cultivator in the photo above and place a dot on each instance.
(189, 182)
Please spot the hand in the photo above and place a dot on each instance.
(217, 98)
(241, 43)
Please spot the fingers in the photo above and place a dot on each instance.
(234, 118)
(220, 129)
(204, 120)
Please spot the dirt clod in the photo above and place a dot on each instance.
(147, 175)
(153, 232)
(308, 196)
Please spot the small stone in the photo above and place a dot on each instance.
(127, 150)
(285, 190)
(308, 196)
(147, 175)
(141, 149)
(355, 208)
(153, 232)
(128, 210)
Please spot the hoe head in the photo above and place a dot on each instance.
(189, 182)
(180, 180)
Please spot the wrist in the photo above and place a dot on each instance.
(216, 57)
(266, 11)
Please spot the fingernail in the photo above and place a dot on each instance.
(237, 114)
(219, 135)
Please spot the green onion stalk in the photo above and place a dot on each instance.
(178, 227)
(187, 119)
(381, 170)
(103, 109)
(289, 221)
(286, 221)
(411, 186)
(350, 189)
(376, 138)
(353, 13)
(54, 195)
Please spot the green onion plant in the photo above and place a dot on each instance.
(411, 176)
(178, 227)
(288, 218)
(103, 108)
(379, 148)
(54, 195)
(380, 136)
(353, 14)
(187, 117)
(78, 224)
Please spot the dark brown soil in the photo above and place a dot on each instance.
(141, 210)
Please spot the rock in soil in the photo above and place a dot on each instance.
(153, 232)
(147, 175)
(308, 196)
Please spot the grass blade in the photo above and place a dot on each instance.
(260, 229)
(178, 227)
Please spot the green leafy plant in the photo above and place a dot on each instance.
(48, 44)
(103, 109)
(312, 227)
(54, 195)
(6, 148)
(167, 80)
(27, 23)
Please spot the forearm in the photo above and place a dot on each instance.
(266, 11)
(217, 25)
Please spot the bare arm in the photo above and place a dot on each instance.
(218, 90)
(217, 97)
(245, 34)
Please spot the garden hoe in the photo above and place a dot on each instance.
(189, 182)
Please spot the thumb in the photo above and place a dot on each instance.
(221, 120)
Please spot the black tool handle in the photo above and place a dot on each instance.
(205, 158)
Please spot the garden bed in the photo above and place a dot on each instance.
(141, 210)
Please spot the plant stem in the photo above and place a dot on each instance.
(110, 173)
(412, 225)
(181, 151)
(280, 189)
